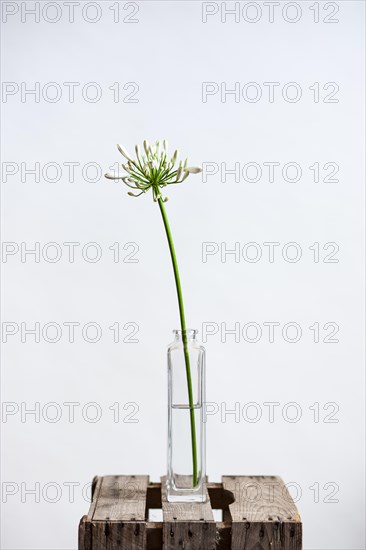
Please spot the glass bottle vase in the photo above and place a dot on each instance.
(186, 474)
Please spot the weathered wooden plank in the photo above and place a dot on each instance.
(259, 498)
(118, 514)
(263, 514)
(266, 536)
(113, 535)
(187, 525)
(182, 511)
(121, 498)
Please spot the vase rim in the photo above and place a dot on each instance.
(189, 331)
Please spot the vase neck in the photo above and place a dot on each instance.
(190, 333)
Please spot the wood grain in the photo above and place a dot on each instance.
(263, 514)
(116, 518)
(187, 525)
(121, 498)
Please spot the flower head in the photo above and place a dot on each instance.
(153, 169)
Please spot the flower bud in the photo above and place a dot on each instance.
(127, 167)
(174, 157)
(123, 152)
(111, 177)
(146, 147)
(179, 173)
(186, 174)
(194, 170)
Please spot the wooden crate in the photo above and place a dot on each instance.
(258, 513)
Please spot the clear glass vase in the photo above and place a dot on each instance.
(186, 427)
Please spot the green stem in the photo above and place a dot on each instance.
(184, 336)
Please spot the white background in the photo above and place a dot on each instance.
(169, 52)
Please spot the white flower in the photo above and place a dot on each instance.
(151, 170)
